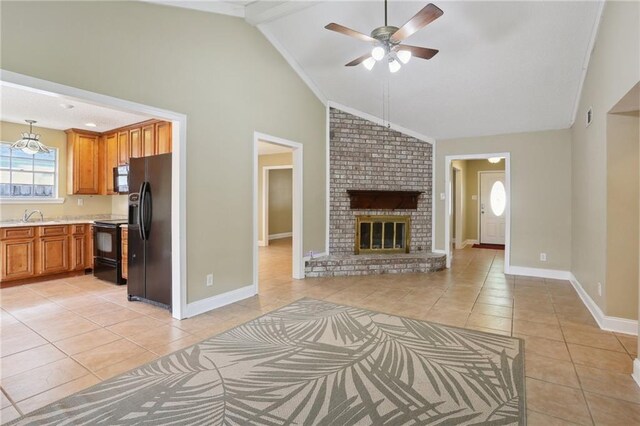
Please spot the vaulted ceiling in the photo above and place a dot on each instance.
(503, 67)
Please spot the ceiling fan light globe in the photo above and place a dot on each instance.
(377, 53)
(404, 56)
(369, 63)
(495, 160)
(394, 66)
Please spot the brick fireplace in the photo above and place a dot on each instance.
(371, 162)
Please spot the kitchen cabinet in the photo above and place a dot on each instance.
(123, 147)
(163, 137)
(135, 143)
(32, 251)
(148, 133)
(124, 238)
(83, 162)
(111, 158)
(53, 247)
(78, 243)
(17, 251)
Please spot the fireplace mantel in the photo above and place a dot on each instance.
(383, 200)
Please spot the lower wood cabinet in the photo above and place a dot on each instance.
(54, 255)
(17, 259)
(33, 251)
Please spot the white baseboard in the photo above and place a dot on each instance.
(636, 371)
(261, 243)
(305, 258)
(205, 305)
(537, 272)
(438, 251)
(619, 325)
(281, 235)
(469, 243)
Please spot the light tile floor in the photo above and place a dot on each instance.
(79, 331)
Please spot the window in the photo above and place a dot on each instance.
(498, 198)
(24, 176)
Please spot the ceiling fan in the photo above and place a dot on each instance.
(387, 39)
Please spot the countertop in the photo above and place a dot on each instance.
(67, 220)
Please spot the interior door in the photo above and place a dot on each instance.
(493, 207)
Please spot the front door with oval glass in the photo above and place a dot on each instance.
(493, 207)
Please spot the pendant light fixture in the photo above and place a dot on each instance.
(30, 142)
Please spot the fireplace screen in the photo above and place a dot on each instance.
(382, 234)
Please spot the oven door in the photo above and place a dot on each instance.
(105, 242)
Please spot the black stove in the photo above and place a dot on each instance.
(107, 250)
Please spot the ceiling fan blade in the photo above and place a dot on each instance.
(418, 52)
(358, 61)
(427, 15)
(349, 32)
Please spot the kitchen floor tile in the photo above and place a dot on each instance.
(609, 411)
(47, 397)
(29, 359)
(103, 356)
(551, 370)
(558, 401)
(84, 342)
(29, 383)
(600, 358)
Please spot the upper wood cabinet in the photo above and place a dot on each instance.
(163, 137)
(110, 161)
(83, 162)
(148, 140)
(123, 147)
(135, 143)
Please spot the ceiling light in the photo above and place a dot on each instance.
(369, 63)
(404, 56)
(394, 65)
(30, 142)
(378, 53)
(495, 160)
(90, 124)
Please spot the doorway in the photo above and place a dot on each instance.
(277, 209)
(492, 206)
(469, 197)
(180, 308)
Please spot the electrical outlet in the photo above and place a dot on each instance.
(543, 257)
(599, 289)
(209, 280)
(81, 201)
(442, 196)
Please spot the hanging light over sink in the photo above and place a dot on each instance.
(30, 142)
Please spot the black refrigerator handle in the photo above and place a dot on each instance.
(141, 211)
(148, 210)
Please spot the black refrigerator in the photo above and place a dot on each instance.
(149, 277)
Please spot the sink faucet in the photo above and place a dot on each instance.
(27, 216)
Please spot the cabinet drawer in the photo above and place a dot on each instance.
(78, 229)
(51, 231)
(22, 232)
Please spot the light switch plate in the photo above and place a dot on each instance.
(474, 197)
(80, 201)
(442, 197)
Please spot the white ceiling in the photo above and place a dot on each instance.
(266, 148)
(17, 105)
(503, 66)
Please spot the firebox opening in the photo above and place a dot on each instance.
(382, 234)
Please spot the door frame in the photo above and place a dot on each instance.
(178, 168)
(265, 201)
(480, 172)
(507, 183)
(297, 226)
(458, 202)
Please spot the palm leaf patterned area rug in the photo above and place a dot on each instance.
(315, 363)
